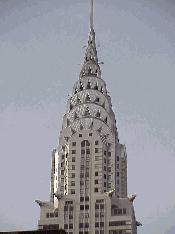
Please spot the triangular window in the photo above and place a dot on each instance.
(99, 130)
(78, 100)
(89, 71)
(103, 105)
(98, 114)
(81, 87)
(71, 106)
(81, 127)
(97, 99)
(96, 87)
(75, 116)
(87, 112)
(91, 126)
(106, 120)
(88, 85)
(88, 98)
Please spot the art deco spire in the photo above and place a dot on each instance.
(91, 17)
(90, 66)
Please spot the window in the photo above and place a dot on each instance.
(104, 168)
(104, 176)
(96, 173)
(109, 185)
(86, 198)
(62, 164)
(81, 207)
(80, 135)
(117, 166)
(83, 151)
(104, 152)
(96, 166)
(96, 158)
(96, 142)
(73, 159)
(47, 215)
(63, 148)
(86, 225)
(81, 225)
(104, 160)
(96, 181)
(70, 216)
(117, 173)
(62, 156)
(96, 190)
(119, 211)
(51, 215)
(96, 206)
(124, 211)
(73, 143)
(73, 175)
(104, 184)
(56, 214)
(117, 158)
(90, 134)
(117, 181)
(109, 169)
(96, 224)
(65, 226)
(72, 183)
(101, 224)
(109, 153)
(96, 150)
(62, 172)
(71, 208)
(73, 151)
(81, 199)
(73, 167)
(96, 214)
(70, 225)
(87, 151)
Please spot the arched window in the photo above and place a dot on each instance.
(85, 143)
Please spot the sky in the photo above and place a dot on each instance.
(41, 52)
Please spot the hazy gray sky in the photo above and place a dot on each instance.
(41, 44)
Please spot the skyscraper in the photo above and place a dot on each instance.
(89, 167)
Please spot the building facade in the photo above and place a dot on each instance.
(89, 167)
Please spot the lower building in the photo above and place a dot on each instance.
(100, 214)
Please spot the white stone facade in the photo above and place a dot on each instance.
(89, 162)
